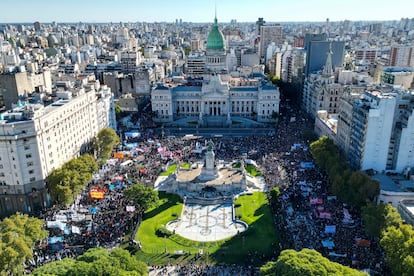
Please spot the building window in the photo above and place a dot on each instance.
(29, 155)
(29, 164)
(32, 179)
(31, 171)
(26, 147)
(2, 174)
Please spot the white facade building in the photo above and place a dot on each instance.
(214, 99)
(36, 139)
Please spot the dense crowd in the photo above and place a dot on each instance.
(304, 192)
(193, 269)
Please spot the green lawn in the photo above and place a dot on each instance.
(260, 237)
(172, 168)
(251, 169)
(185, 165)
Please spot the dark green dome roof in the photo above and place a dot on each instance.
(215, 39)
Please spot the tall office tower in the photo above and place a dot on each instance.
(402, 56)
(36, 139)
(316, 46)
(259, 23)
(269, 34)
(37, 26)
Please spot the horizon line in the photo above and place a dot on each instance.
(199, 22)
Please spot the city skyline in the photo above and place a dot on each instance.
(27, 11)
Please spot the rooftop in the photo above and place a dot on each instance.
(394, 183)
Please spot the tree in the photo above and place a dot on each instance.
(398, 244)
(18, 234)
(354, 188)
(106, 140)
(305, 262)
(97, 261)
(143, 197)
(378, 217)
(118, 111)
(67, 182)
(309, 135)
(61, 267)
(274, 198)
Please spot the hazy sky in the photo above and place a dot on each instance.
(202, 10)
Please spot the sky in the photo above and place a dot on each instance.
(96, 11)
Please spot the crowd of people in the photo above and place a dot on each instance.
(310, 217)
(193, 269)
(90, 222)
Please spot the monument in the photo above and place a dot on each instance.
(209, 171)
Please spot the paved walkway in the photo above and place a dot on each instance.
(207, 222)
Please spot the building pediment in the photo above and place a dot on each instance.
(215, 94)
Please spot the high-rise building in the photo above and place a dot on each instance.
(130, 61)
(316, 46)
(195, 64)
(371, 130)
(294, 66)
(402, 56)
(259, 23)
(37, 26)
(367, 54)
(269, 34)
(36, 139)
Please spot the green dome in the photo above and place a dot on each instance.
(215, 39)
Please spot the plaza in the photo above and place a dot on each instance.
(207, 222)
(208, 189)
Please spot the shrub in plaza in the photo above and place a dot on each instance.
(163, 232)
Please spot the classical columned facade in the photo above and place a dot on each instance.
(217, 97)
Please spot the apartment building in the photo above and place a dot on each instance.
(35, 139)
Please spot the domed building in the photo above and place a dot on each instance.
(216, 99)
(216, 51)
(215, 39)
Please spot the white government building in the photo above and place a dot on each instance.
(36, 139)
(218, 97)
